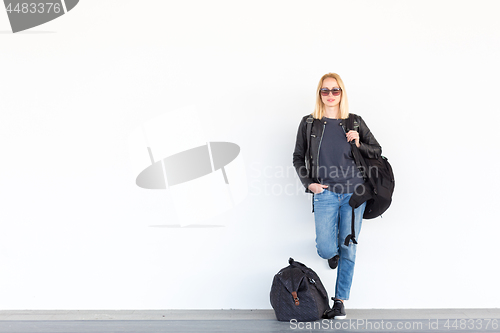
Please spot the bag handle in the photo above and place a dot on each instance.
(305, 270)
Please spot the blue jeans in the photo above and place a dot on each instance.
(332, 215)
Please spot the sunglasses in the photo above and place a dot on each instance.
(334, 91)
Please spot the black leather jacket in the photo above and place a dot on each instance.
(307, 169)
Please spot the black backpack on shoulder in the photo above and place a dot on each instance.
(297, 293)
(378, 187)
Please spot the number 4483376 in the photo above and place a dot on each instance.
(34, 8)
(471, 324)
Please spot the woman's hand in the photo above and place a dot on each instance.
(317, 188)
(353, 135)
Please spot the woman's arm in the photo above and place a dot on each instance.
(299, 155)
(369, 146)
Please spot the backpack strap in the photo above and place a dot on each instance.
(309, 122)
(350, 122)
(357, 154)
(361, 164)
(352, 236)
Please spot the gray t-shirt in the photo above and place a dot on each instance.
(337, 168)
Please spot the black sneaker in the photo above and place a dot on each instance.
(338, 309)
(333, 262)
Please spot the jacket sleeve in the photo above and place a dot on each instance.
(299, 157)
(369, 146)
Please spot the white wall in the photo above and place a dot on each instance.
(77, 233)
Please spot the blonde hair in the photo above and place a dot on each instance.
(319, 110)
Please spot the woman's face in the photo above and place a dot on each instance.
(330, 100)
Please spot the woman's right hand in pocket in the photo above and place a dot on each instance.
(316, 188)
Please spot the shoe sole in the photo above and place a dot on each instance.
(339, 317)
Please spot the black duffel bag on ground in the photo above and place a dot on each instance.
(297, 293)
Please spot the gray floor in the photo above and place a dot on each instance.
(359, 320)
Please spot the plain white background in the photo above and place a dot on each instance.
(77, 233)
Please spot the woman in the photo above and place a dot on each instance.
(327, 169)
